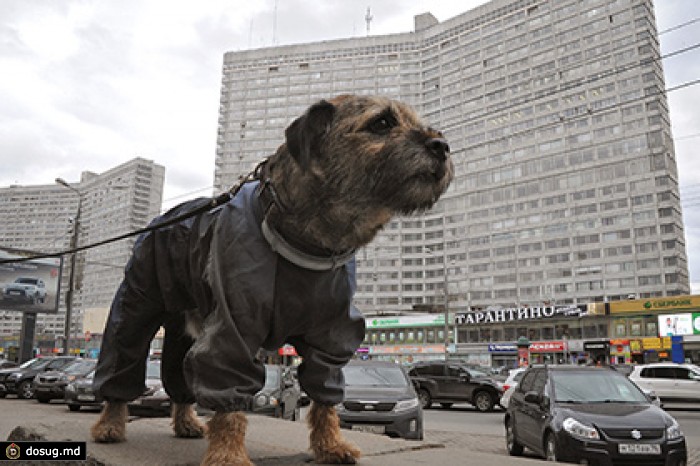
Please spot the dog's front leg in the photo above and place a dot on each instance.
(111, 426)
(226, 433)
(327, 443)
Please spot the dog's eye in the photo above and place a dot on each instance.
(382, 124)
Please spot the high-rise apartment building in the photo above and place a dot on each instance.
(566, 184)
(41, 218)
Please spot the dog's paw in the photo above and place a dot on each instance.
(225, 458)
(189, 428)
(108, 432)
(341, 452)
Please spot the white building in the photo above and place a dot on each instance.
(566, 187)
(41, 218)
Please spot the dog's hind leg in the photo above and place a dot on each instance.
(327, 443)
(226, 433)
(176, 343)
(111, 426)
(185, 422)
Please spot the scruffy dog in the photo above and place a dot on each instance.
(273, 265)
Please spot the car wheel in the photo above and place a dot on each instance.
(425, 400)
(514, 448)
(446, 405)
(74, 407)
(483, 401)
(550, 448)
(25, 390)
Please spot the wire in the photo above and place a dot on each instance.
(673, 28)
(213, 203)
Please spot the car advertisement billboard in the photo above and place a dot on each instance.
(30, 286)
(675, 324)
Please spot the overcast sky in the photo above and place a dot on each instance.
(87, 84)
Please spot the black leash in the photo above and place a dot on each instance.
(215, 202)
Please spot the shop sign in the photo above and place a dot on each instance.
(505, 348)
(635, 346)
(596, 345)
(696, 323)
(655, 305)
(656, 343)
(548, 347)
(287, 350)
(675, 324)
(407, 349)
(404, 321)
(494, 315)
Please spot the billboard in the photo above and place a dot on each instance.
(30, 286)
(675, 324)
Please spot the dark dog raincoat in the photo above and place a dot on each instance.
(220, 266)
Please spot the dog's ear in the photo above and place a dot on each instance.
(305, 133)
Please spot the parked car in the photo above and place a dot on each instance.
(668, 380)
(450, 383)
(26, 290)
(509, 385)
(380, 398)
(4, 373)
(154, 401)
(6, 364)
(21, 380)
(280, 396)
(592, 415)
(51, 385)
(79, 393)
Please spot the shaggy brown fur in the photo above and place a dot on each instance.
(348, 165)
(227, 440)
(111, 426)
(185, 422)
(327, 442)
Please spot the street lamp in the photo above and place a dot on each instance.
(71, 277)
(447, 300)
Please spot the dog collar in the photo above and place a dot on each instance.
(300, 258)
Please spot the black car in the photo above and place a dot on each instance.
(79, 393)
(20, 381)
(454, 382)
(280, 396)
(380, 398)
(591, 414)
(51, 385)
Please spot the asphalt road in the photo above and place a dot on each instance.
(460, 425)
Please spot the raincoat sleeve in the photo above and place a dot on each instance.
(325, 352)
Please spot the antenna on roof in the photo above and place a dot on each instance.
(368, 19)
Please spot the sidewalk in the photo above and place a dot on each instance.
(270, 442)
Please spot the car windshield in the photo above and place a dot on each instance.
(272, 377)
(79, 366)
(371, 376)
(30, 281)
(595, 387)
(30, 363)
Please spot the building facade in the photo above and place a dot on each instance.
(41, 218)
(566, 187)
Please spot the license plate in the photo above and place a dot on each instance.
(368, 428)
(15, 293)
(86, 397)
(639, 449)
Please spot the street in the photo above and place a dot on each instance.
(460, 425)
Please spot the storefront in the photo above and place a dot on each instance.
(598, 351)
(548, 352)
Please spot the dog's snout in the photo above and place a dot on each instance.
(438, 147)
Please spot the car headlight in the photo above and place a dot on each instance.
(260, 400)
(674, 432)
(405, 405)
(13, 377)
(580, 430)
(70, 387)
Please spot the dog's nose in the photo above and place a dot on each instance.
(438, 147)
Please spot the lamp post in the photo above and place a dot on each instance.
(71, 277)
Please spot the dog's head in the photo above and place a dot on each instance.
(352, 162)
(372, 146)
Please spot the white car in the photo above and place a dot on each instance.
(510, 384)
(668, 380)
